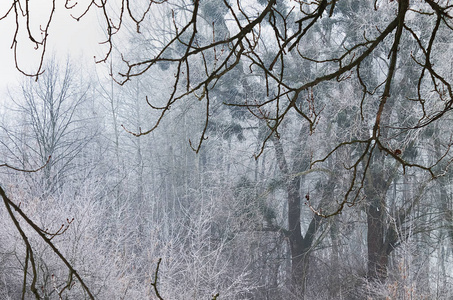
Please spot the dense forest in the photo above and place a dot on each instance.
(258, 149)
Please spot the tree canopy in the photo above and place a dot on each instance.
(368, 83)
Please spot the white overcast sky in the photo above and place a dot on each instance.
(80, 40)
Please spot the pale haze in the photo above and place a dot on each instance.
(80, 40)
(241, 150)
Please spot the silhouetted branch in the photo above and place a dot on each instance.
(29, 255)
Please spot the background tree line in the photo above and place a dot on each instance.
(262, 150)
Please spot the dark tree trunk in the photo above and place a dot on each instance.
(295, 234)
(377, 254)
(300, 246)
(381, 237)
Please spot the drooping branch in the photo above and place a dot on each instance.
(10, 205)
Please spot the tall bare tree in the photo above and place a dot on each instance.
(339, 45)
